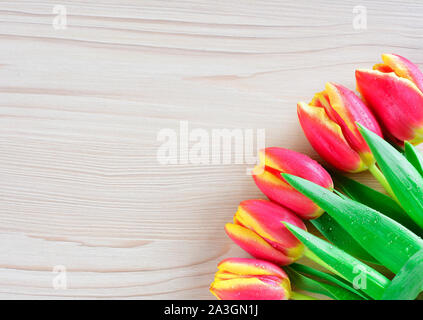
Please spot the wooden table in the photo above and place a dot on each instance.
(87, 210)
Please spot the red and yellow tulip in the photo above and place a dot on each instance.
(250, 279)
(267, 176)
(329, 123)
(394, 90)
(257, 229)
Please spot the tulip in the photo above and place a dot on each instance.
(394, 90)
(329, 123)
(250, 279)
(267, 176)
(257, 229)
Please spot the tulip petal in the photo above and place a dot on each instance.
(274, 161)
(397, 102)
(382, 68)
(245, 266)
(250, 279)
(404, 68)
(253, 288)
(289, 161)
(327, 139)
(264, 217)
(255, 245)
(347, 109)
(276, 189)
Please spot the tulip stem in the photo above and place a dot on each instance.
(300, 296)
(374, 170)
(310, 254)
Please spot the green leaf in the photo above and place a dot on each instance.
(408, 283)
(301, 268)
(375, 200)
(405, 181)
(342, 263)
(336, 234)
(302, 282)
(385, 239)
(343, 196)
(414, 157)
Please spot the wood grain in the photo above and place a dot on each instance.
(80, 110)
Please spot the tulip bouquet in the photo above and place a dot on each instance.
(367, 243)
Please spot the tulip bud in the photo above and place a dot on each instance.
(258, 229)
(329, 123)
(267, 176)
(394, 90)
(250, 279)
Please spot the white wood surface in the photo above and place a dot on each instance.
(80, 110)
